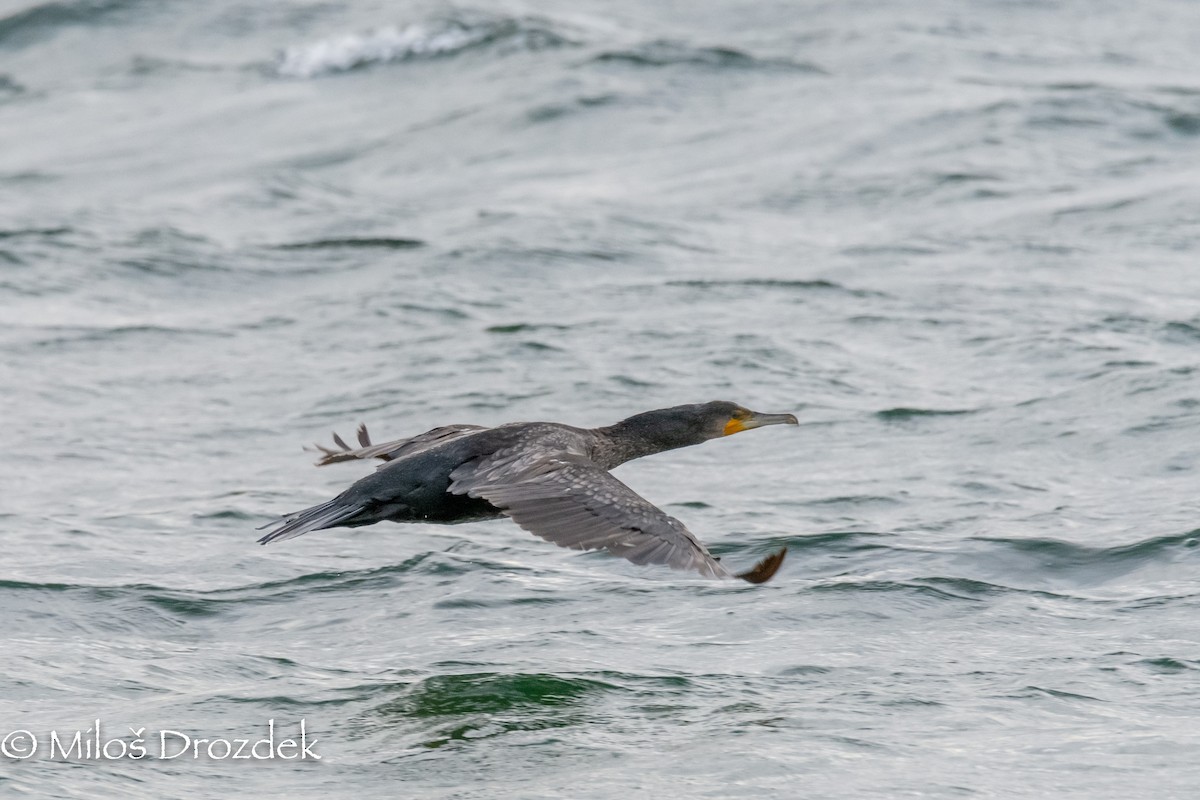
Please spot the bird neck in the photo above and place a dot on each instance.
(632, 438)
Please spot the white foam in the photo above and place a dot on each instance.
(385, 44)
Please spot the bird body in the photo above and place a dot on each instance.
(551, 479)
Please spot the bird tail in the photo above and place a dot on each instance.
(325, 515)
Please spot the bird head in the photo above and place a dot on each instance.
(681, 426)
(722, 418)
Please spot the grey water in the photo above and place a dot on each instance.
(958, 240)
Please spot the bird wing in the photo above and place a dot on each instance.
(568, 500)
(389, 451)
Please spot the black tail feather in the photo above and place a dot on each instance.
(325, 515)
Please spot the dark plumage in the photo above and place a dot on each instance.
(551, 479)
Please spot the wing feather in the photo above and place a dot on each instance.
(572, 502)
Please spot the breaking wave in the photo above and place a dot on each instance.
(420, 40)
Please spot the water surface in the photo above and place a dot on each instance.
(959, 243)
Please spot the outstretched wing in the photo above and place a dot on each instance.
(570, 501)
(389, 451)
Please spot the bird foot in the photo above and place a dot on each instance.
(764, 570)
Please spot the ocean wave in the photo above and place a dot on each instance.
(903, 413)
(666, 53)
(182, 602)
(1053, 555)
(9, 87)
(354, 242)
(767, 282)
(463, 707)
(42, 19)
(938, 587)
(491, 693)
(419, 40)
(14, 233)
(55, 335)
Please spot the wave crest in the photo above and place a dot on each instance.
(419, 40)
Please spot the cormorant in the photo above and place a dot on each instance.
(551, 479)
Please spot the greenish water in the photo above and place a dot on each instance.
(959, 244)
